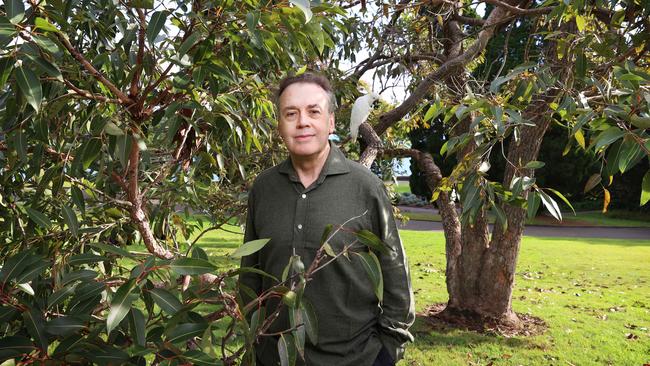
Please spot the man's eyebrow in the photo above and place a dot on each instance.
(313, 106)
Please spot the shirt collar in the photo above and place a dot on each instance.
(336, 163)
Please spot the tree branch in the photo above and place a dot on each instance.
(124, 99)
(519, 11)
(387, 119)
(139, 58)
(89, 95)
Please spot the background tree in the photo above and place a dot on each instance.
(584, 67)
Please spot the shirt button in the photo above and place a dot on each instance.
(299, 226)
(304, 195)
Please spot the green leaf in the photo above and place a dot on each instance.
(78, 198)
(580, 22)
(14, 346)
(142, 4)
(15, 10)
(592, 182)
(253, 270)
(296, 322)
(257, 319)
(645, 189)
(249, 248)
(16, 264)
(112, 129)
(433, 111)
(166, 301)
(47, 67)
(7, 314)
(310, 319)
(192, 266)
(286, 350)
(199, 253)
(137, 326)
(305, 7)
(29, 86)
(38, 217)
(120, 305)
(371, 240)
(58, 296)
(196, 357)
(551, 205)
(533, 202)
(68, 344)
(64, 326)
(156, 23)
(534, 164)
(371, 264)
(108, 355)
(107, 248)
(6, 66)
(183, 332)
(608, 137)
(34, 324)
(629, 152)
(328, 250)
(563, 199)
(45, 25)
(33, 270)
(82, 274)
(70, 219)
(326, 233)
(85, 258)
(46, 44)
(189, 43)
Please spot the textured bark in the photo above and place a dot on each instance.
(138, 214)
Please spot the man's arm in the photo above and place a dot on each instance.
(398, 307)
(251, 280)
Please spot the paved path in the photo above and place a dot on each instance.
(547, 231)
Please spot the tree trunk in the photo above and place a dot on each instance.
(481, 277)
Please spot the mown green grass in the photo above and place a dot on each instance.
(591, 293)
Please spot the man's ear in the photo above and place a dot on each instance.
(331, 121)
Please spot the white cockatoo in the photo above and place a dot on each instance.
(360, 111)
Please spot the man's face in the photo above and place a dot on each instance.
(305, 121)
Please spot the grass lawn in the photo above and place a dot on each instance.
(593, 294)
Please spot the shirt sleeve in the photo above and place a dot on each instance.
(398, 306)
(249, 279)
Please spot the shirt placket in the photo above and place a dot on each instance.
(300, 221)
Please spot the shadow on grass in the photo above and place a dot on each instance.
(216, 243)
(426, 336)
(603, 241)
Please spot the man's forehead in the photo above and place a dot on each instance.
(303, 95)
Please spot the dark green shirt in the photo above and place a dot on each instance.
(352, 325)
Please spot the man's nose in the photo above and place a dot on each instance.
(303, 120)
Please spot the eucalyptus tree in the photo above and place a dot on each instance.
(585, 67)
(119, 120)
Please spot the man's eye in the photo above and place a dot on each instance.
(290, 114)
(314, 112)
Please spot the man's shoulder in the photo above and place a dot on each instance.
(267, 175)
(360, 172)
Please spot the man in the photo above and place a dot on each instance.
(292, 203)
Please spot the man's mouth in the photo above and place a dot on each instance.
(303, 137)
